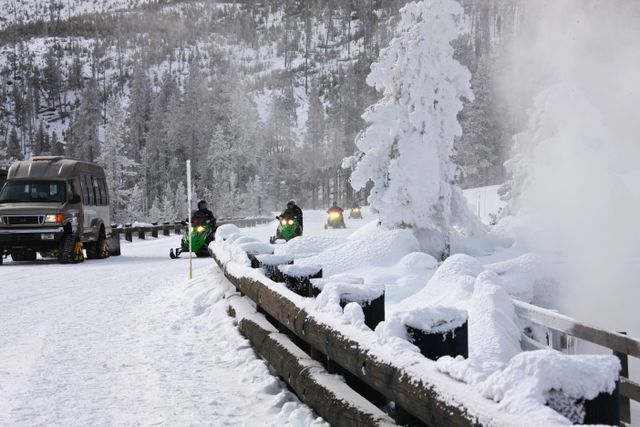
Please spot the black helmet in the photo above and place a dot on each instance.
(291, 203)
(202, 204)
(335, 203)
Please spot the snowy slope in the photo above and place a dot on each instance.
(28, 11)
(129, 341)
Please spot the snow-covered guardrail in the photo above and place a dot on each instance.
(419, 392)
(154, 229)
(560, 326)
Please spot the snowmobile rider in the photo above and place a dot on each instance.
(337, 209)
(293, 211)
(204, 214)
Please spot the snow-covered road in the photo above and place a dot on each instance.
(128, 341)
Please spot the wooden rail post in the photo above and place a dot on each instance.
(625, 404)
(128, 233)
(142, 233)
(165, 229)
(154, 230)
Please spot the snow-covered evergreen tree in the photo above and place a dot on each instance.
(14, 152)
(408, 143)
(83, 141)
(119, 168)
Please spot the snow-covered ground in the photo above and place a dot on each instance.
(417, 287)
(130, 341)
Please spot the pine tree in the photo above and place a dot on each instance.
(4, 157)
(83, 141)
(119, 168)
(57, 147)
(408, 143)
(41, 145)
(14, 152)
(478, 150)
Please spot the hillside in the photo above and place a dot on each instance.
(266, 98)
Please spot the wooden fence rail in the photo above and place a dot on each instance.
(142, 231)
(620, 344)
(432, 399)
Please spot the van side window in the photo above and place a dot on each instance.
(103, 190)
(85, 191)
(91, 200)
(96, 191)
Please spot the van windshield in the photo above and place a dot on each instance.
(34, 191)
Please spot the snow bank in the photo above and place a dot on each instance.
(494, 334)
(272, 260)
(521, 276)
(382, 248)
(257, 248)
(227, 251)
(300, 271)
(367, 229)
(523, 387)
(433, 319)
(225, 230)
(334, 293)
(342, 278)
(307, 246)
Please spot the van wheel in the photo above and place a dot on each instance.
(23, 255)
(70, 250)
(99, 249)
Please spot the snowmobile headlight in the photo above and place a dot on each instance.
(334, 215)
(53, 218)
(290, 222)
(200, 229)
(356, 210)
(283, 222)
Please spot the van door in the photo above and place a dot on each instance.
(88, 207)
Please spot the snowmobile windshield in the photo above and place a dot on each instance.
(34, 191)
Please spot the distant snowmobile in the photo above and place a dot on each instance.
(335, 217)
(355, 213)
(288, 228)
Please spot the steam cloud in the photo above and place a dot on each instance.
(577, 63)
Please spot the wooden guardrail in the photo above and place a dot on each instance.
(561, 326)
(154, 229)
(420, 395)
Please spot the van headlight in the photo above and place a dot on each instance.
(53, 219)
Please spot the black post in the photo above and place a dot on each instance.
(128, 233)
(435, 345)
(154, 230)
(165, 229)
(625, 404)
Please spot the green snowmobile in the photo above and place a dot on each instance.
(202, 233)
(288, 228)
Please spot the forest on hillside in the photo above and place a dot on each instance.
(265, 97)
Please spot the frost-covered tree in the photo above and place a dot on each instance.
(14, 152)
(41, 144)
(57, 147)
(4, 158)
(408, 143)
(83, 141)
(119, 168)
(479, 149)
